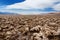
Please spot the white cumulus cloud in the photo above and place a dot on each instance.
(32, 4)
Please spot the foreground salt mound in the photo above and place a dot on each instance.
(33, 27)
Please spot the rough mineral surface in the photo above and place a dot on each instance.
(29, 27)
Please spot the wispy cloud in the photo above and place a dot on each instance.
(57, 7)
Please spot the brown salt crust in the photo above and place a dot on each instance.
(30, 27)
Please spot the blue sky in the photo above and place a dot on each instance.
(30, 6)
(9, 2)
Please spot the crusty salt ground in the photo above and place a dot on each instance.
(30, 27)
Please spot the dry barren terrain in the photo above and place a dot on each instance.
(30, 27)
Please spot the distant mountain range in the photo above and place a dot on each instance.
(7, 13)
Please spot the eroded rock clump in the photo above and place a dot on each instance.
(33, 27)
